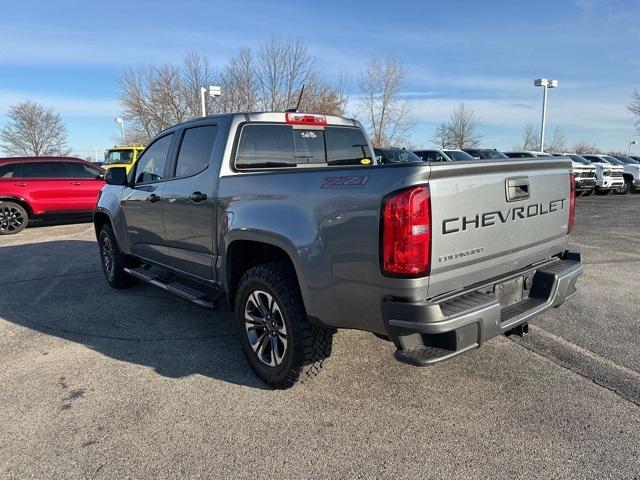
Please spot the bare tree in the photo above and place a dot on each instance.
(155, 97)
(530, 138)
(441, 137)
(585, 147)
(634, 108)
(34, 130)
(386, 116)
(558, 142)
(463, 128)
(239, 83)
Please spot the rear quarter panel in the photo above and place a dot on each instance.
(328, 222)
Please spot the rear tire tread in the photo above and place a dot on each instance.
(311, 344)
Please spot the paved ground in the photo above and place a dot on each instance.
(139, 384)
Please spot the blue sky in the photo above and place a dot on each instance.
(69, 55)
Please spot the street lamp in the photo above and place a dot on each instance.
(120, 120)
(632, 142)
(213, 91)
(543, 82)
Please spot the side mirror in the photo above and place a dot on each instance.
(116, 176)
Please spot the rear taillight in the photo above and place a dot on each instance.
(572, 202)
(406, 233)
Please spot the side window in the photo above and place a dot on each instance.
(150, 167)
(195, 150)
(263, 146)
(6, 171)
(346, 146)
(40, 170)
(81, 170)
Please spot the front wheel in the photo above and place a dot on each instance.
(588, 193)
(113, 260)
(280, 344)
(13, 218)
(625, 188)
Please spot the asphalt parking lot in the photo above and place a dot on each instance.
(140, 384)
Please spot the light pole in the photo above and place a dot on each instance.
(543, 82)
(120, 120)
(213, 90)
(632, 142)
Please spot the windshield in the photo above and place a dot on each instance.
(118, 156)
(491, 154)
(613, 161)
(458, 155)
(579, 159)
(397, 155)
(627, 160)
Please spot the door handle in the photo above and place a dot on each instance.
(198, 197)
(153, 198)
(20, 184)
(76, 183)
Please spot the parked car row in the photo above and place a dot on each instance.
(594, 173)
(34, 189)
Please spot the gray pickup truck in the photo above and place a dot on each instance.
(288, 217)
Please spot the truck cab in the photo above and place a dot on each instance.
(123, 156)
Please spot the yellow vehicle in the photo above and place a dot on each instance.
(122, 156)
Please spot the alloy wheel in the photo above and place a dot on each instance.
(107, 256)
(11, 219)
(265, 328)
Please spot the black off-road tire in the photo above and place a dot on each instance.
(13, 218)
(308, 345)
(114, 271)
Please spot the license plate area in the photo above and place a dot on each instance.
(510, 291)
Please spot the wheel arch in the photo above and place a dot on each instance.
(245, 253)
(101, 219)
(20, 201)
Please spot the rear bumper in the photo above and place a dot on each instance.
(457, 324)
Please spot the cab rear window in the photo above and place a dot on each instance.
(273, 146)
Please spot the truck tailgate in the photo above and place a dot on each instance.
(493, 218)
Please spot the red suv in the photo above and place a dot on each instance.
(46, 188)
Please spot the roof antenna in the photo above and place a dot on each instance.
(295, 110)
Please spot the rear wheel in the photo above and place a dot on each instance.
(280, 344)
(13, 218)
(113, 260)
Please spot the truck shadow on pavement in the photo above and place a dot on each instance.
(58, 288)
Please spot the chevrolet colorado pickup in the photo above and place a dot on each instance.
(288, 217)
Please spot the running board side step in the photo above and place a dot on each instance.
(188, 293)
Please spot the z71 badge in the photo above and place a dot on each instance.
(350, 182)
